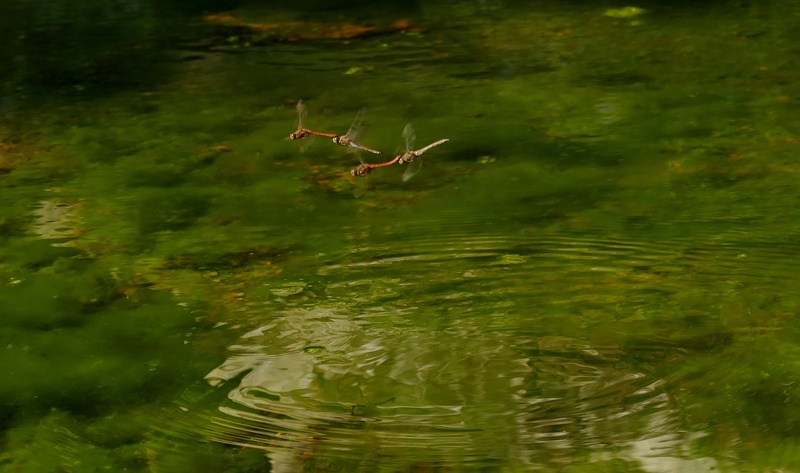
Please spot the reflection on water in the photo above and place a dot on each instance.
(412, 354)
(56, 220)
(598, 272)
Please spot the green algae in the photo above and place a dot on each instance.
(615, 201)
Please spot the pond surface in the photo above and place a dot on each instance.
(598, 272)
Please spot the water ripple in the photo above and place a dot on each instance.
(474, 343)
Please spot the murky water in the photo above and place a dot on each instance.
(597, 273)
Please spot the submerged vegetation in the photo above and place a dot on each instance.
(597, 272)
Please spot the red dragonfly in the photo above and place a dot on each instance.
(303, 132)
(349, 138)
(365, 168)
(410, 157)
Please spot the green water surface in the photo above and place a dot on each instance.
(598, 272)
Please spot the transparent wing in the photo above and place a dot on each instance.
(301, 113)
(361, 188)
(306, 142)
(355, 129)
(410, 137)
(363, 183)
(412, 169)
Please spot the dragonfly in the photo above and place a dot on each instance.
(349, 138)
(412, 158)
(303, 132)
(365, 168)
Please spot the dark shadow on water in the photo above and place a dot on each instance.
(77, 50)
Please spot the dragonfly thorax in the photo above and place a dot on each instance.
(407, 158)
(361, 170)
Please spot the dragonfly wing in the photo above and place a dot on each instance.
(355, 129)
(363, 184)
(301, 113)
(409, 136)
(412, 169)
(306, 142)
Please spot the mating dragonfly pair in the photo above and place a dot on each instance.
(410, 157)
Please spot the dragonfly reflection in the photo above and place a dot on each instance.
(409, 157)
